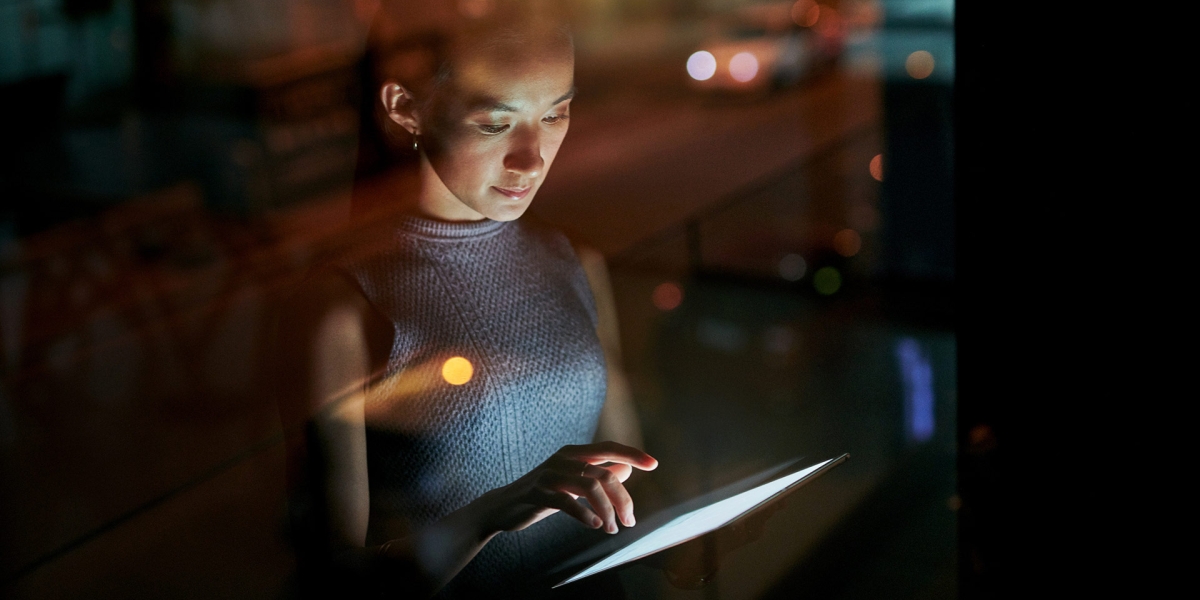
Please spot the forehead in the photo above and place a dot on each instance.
(525, 76)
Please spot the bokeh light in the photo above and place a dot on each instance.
(805, 13)
(829, 23)
(457, 370)
(919, 64)
(778, 339)
(701, 65)
(827, 280)
(667, 296)
(847, 242)
(792, 267)
(743, 66)
(877, 167)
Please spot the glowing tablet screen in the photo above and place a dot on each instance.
(697, 522)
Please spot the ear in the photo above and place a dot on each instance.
(400, 104)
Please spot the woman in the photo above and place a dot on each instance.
(450, 381)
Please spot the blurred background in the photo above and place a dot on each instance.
(771, 183)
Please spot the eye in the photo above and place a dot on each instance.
(493, 129)
(552, 119)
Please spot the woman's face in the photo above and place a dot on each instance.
(495, 128)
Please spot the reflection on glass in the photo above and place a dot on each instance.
(919, 64)
(847, 242)
(743, 66)
(805, 13)
(702, 65)
(827, 280)
(917, 376)
(792, 267)
(667, 296)
(876, 167)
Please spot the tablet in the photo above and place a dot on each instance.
(669, 530)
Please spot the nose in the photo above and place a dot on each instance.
(525, 154)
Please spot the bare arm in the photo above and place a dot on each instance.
(618, 419)
(323, 371)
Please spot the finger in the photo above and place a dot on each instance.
(621, 470)
(567, 503)
(610, 451)
(590, 488)
(566, 464)
(617, 494)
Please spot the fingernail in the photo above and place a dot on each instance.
(612, 528)
(632, 521)
(596, 522)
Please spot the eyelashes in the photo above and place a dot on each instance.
(489, 129)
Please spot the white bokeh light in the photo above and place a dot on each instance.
(743, 66)
(701, 65)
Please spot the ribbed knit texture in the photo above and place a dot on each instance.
(513, 300)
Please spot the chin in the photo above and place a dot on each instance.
(507, 213)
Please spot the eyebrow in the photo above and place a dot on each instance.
(567, 96)
(487, 104)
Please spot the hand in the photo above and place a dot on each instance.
(596, 472)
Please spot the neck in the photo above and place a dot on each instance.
(435, 201)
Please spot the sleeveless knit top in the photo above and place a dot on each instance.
(512, 299)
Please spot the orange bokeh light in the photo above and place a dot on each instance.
(805, 13)
(667, 296)
(877, 167)
(847, 242)
(457, 370)
(919, 64)
(828, 22)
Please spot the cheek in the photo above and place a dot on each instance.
(550, 147)
(467, 165)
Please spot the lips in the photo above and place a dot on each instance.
(514, 193)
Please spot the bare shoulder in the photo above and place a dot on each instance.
(593, 263)
(321, 345)
(328, 310)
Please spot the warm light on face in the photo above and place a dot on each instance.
(457, 371)
(701, 65)
(919, 64)
(827, 280)
(847, 242)
(743, 66)
(667, 296)
(876, 167)
(493, 136)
